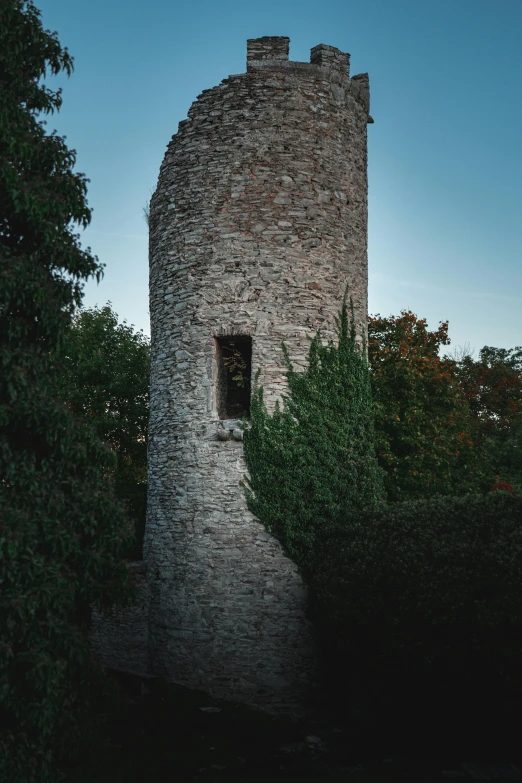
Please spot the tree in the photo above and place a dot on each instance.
(492, 385)
(104, 376)
(313, 460)
(62, 530)
(424, 434)
(493, 389)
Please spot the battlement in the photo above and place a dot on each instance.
(330, 57)
(273, 51)
(268, 48)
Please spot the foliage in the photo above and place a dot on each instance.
(235, 363)
(314, 460)
(62, 530)
(426, 588)
(426, 440)
(399, 579)
(502, 486)
(493, 385)
(104, 370)
(493, 388)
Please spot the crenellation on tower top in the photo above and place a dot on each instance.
(361, 90)
(271, 53)
(268, 48)
(330, 57)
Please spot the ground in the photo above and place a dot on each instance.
(173, 733)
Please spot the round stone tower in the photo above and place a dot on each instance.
(258, 222)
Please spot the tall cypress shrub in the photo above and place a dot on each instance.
(314, 459)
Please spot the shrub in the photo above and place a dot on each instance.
(427, 588)
(314, 459)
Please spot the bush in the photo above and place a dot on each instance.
(62, 538)
(316, 457)
(426, 592)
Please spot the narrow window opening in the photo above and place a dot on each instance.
(234, 365)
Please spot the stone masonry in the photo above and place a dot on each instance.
(258, 222)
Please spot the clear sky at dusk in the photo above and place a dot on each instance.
(445, 162)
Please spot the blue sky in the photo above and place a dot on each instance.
(445, 163)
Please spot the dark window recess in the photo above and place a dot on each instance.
(234, 361)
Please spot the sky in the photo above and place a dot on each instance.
(444, 154)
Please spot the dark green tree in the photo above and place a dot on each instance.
(104, 370)
(426, 439)
(314, 460)
(62, 530)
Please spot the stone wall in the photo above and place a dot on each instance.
(258, 222)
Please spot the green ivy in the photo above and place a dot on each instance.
(314, 459)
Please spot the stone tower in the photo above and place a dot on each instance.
(258, 222)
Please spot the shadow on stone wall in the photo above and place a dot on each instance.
(120, 637)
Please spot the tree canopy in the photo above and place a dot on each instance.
(104, 375)
(493, 388)
(62, 529)
(426, 438)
